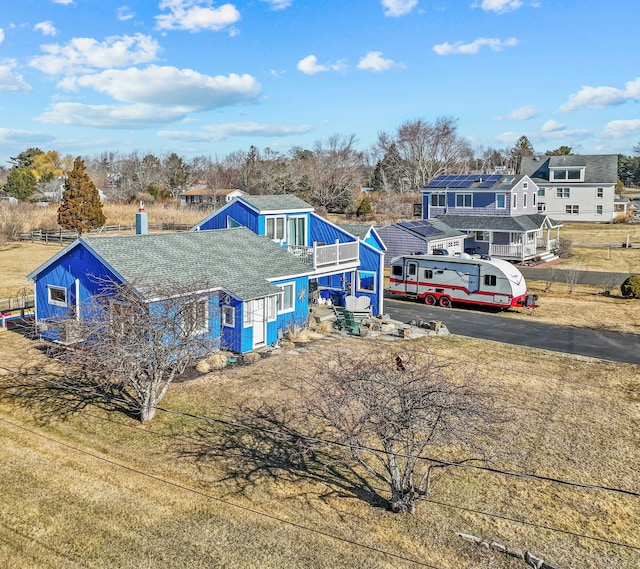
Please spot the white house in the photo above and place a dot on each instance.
(575, 188)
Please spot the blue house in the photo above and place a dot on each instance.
(499, 213)
(340, 262)
(245, 290)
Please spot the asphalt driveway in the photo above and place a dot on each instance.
(480, 324)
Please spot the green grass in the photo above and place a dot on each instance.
(85, 487)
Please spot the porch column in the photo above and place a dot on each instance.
(523, 244)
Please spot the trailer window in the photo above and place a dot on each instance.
(428, 274)
(396, 270)
(411, 270)
(490, 280)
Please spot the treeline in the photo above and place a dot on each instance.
(326, 175)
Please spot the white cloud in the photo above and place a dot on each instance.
(169, 86)
(278, 4)
(374, 61)
(125, 13)
(309, 65)
(81, 54)
(494, 44)
(1, 35)
(552, 126)
(395, 8)
(195, 16)
(218, 132)
(520, 114)
(621, 128)
(599, 97)
(47, 28)
(500, 6)
(152, 96)
(12, 136)
(65, 2)
(11, 81)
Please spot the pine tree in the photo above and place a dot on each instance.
(80, 208)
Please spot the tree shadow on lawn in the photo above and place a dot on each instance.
(268, 443)
(54, 396)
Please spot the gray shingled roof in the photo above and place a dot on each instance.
(494, 222)
(359, 230)
(237, 260)
(599, 168)
(277, 202)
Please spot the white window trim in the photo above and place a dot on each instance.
(514, 201)
(480, 236)
(272, 308)
(193, 305)
(226, 311)
(572, 207)
(366, 289)
(599, 210)
(463, 194)
(296, 218)
(232, 222)
(561, 190)
(534, 195)
(504, 206)
(565, 169)
(438, 195)
(64, 303)
(525, 185)
(599, 193)
(282, 310)
(524, 201)
(275, 227)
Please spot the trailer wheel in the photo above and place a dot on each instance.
(445, 302)
(430, 300)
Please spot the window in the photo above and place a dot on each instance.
(57, 295)
(195, 316)
(572, 209)
(366, 281)
(297, 231)
(428, 274)
(541, 192)
(490, 280)
(232, 222)
(534, 196)
(228, 316)
(275, 228)
(567, 174)
(508, 180)
(524, 200)
(563, 192)
(542, 207)
(501, 201)
(599, 193)
(286, 300)
(598, 210)
(396, 270)
(483, 236)
(525, 185)
(464, 200)
(438, 200)
(514, 201)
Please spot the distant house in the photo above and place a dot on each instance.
(408, 237)
(499, 213)
(341, 263)
(246, 290)
(575, 188)
(201, 196)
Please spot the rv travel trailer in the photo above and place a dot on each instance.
(443, 279)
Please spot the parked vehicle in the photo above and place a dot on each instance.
(442, 280)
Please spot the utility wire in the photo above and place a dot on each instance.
(433, 459)
(220, 500)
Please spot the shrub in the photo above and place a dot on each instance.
(630, 288)
(564, 250)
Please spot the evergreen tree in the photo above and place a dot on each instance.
(21, 183)
(80, 208)
(561, 151)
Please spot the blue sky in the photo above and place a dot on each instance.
(208, 78)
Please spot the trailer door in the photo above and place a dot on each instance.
(411, 277)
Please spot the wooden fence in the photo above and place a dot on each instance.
(65, 237)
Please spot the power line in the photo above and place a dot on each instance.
(220, 500)
(435, 460)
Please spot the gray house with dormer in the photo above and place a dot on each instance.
(575, 188)
(498, 212)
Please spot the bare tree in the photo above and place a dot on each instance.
(388, 419)
(140, 345)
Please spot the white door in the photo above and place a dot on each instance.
(258, 317)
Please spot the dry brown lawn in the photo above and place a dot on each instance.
(83, 485)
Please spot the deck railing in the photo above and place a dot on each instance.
(513, 251)
(323, 256)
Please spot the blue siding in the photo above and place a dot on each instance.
(370, 260)
(237, 210)
(321, 231)
(300, 315)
